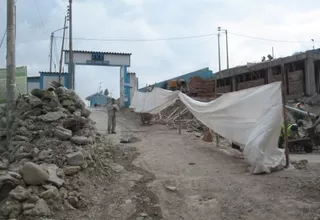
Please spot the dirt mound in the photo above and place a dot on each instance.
(50, 140)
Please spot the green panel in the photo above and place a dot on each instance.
(21, 81)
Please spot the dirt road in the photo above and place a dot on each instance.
(169, 176)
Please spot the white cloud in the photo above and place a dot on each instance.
(140, 19)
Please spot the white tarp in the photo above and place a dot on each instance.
(153, 102)
(251, 117)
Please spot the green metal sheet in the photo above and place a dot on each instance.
(21, 82)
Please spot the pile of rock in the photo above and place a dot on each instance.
(51, 138)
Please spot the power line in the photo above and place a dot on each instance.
(4, 35)
(183, 38)
(144, 40)
(41, 18)
(267, 39)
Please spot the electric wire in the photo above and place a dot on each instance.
(142, 40)
(182, 38)
(267, 39)
(4, 35)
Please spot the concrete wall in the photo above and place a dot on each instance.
(300, 74)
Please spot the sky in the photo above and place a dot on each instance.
(254, 27)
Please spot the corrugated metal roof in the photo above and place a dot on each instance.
(87, 51)
(97, 94)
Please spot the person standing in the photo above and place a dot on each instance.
(112, 108)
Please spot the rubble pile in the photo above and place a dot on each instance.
(170, 117)
(51, 139)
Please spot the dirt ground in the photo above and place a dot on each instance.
(164, 175)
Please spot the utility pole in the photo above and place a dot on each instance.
(312, 43)
(227, 48)
(70, 67)
(219, 56)
(216, 80)
(51, 46)
(62, 45)
(11, 61)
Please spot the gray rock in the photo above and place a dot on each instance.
(74, 201)
(35, 101)
(61, 91)
(20, 138)
(32, 113)
(9, 179)
(41, 209)
(15, 175)
(20, 194)
(4, 164)
(35, 152)
(80, 140)
(11, 208)
(71, 170)
(51, 193)
(37, 92)
(53, 177)
(27, 206)
(85, 112)
(63, 192)
(75, 159)
(34, 174)
(117, 167)
(51, 116)
(68, 205)
(77, 113)
(33, 198)
(44, 154)
(67, 102)
(62, 133)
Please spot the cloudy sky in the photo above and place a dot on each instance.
(289, 27)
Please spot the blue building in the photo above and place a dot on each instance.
(204, 73)
(99, 99)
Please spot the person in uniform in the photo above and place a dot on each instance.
(112, 108)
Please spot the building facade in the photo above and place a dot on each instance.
(98, 99)
(301, 74)
(204, 73)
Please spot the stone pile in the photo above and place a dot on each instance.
(51, 139)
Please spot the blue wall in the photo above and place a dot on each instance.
(99, 99)
(203, 73)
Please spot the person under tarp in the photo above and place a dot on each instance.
(292, 132)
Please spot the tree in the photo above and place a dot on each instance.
(106, 92)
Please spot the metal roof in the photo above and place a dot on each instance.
(47, 72)
(87, 51)
(97, 94)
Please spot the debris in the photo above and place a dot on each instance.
(51, 139)
(192, 163)
(20, 194)
(171, 188)
(75, 159)
(34, 174)
(301, 164)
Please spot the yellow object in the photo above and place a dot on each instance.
(173, 84)
(290, 133)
